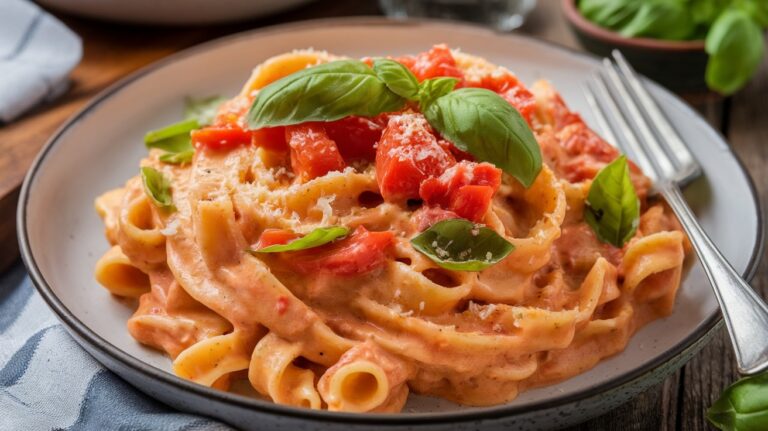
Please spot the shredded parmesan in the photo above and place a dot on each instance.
(171, 228)
(324, 205)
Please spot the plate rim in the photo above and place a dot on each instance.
(503, 410)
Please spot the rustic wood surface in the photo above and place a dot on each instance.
(113, 50)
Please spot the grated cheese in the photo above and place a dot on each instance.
(171, 228)
(324, 205)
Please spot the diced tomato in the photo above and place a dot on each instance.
(438, 61)
(275, 236)
(356, 137)
(425, 217)
(563, 116)
(407, 154)
(361, 252)
(270, 138)
(472, 202)
(220, 138)
(457, 153)
(512, 90)
(587, 152)
(313, 153)
(465, 188)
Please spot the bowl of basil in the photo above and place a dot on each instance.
(689, 46)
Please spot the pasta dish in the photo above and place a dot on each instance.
(344, 232)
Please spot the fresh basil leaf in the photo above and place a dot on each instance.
(743, 406)
(660, 19)
(202, 109)
(705, 12)
(612, 14)
(173, 138)
(460, 245)
(397, 78)
(157, 187)
(482, 123)
(735, 46)
(178, 158)
(316, 238)
(613, 209)
(757, 9)
(431, 89)
(326, 92)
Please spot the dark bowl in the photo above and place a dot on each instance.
(678, 65)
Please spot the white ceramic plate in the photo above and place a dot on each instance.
(61, 236)
(174, 12)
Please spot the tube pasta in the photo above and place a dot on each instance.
(273, 373)
(365, 379)
(351, 327)
(115, 272)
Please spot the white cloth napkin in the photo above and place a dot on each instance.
(37, 52)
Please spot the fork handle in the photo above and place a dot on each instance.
(744, 312)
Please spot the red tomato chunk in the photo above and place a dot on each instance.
(270, 138)
(220, 138)
(275, 236)
(438, 61)
(313, 153)
(361, 252)
(513, 91)
(408, 154)
(466, 188)
(425, 217)
(356, 137)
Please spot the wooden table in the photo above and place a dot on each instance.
(112, 51)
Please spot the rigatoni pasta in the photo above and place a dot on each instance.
(290, 251)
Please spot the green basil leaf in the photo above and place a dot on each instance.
(460, 245)
(178, 158)
(613, 209)
(397, 78)
(612, 14)
(757, 9)
(482, 123)
(316, 238)
(431, 89)
(173, 138)
(660, 19)
(157, 187)
(203, 109)
(326, 92)
(735, 46)
(705, 12)
(743, 406)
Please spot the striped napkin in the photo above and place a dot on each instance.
(37, 52)
(48, 382)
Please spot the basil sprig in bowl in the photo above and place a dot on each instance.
(689, 46)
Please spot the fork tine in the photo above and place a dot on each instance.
(678, 150)
(607, 105)
(648, 140)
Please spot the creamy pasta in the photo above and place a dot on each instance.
(357, 323)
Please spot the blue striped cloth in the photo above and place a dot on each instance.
(37, 52)
(47, 382)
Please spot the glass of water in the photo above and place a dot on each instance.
(504, 15)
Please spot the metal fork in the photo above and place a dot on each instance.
(615, 92)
